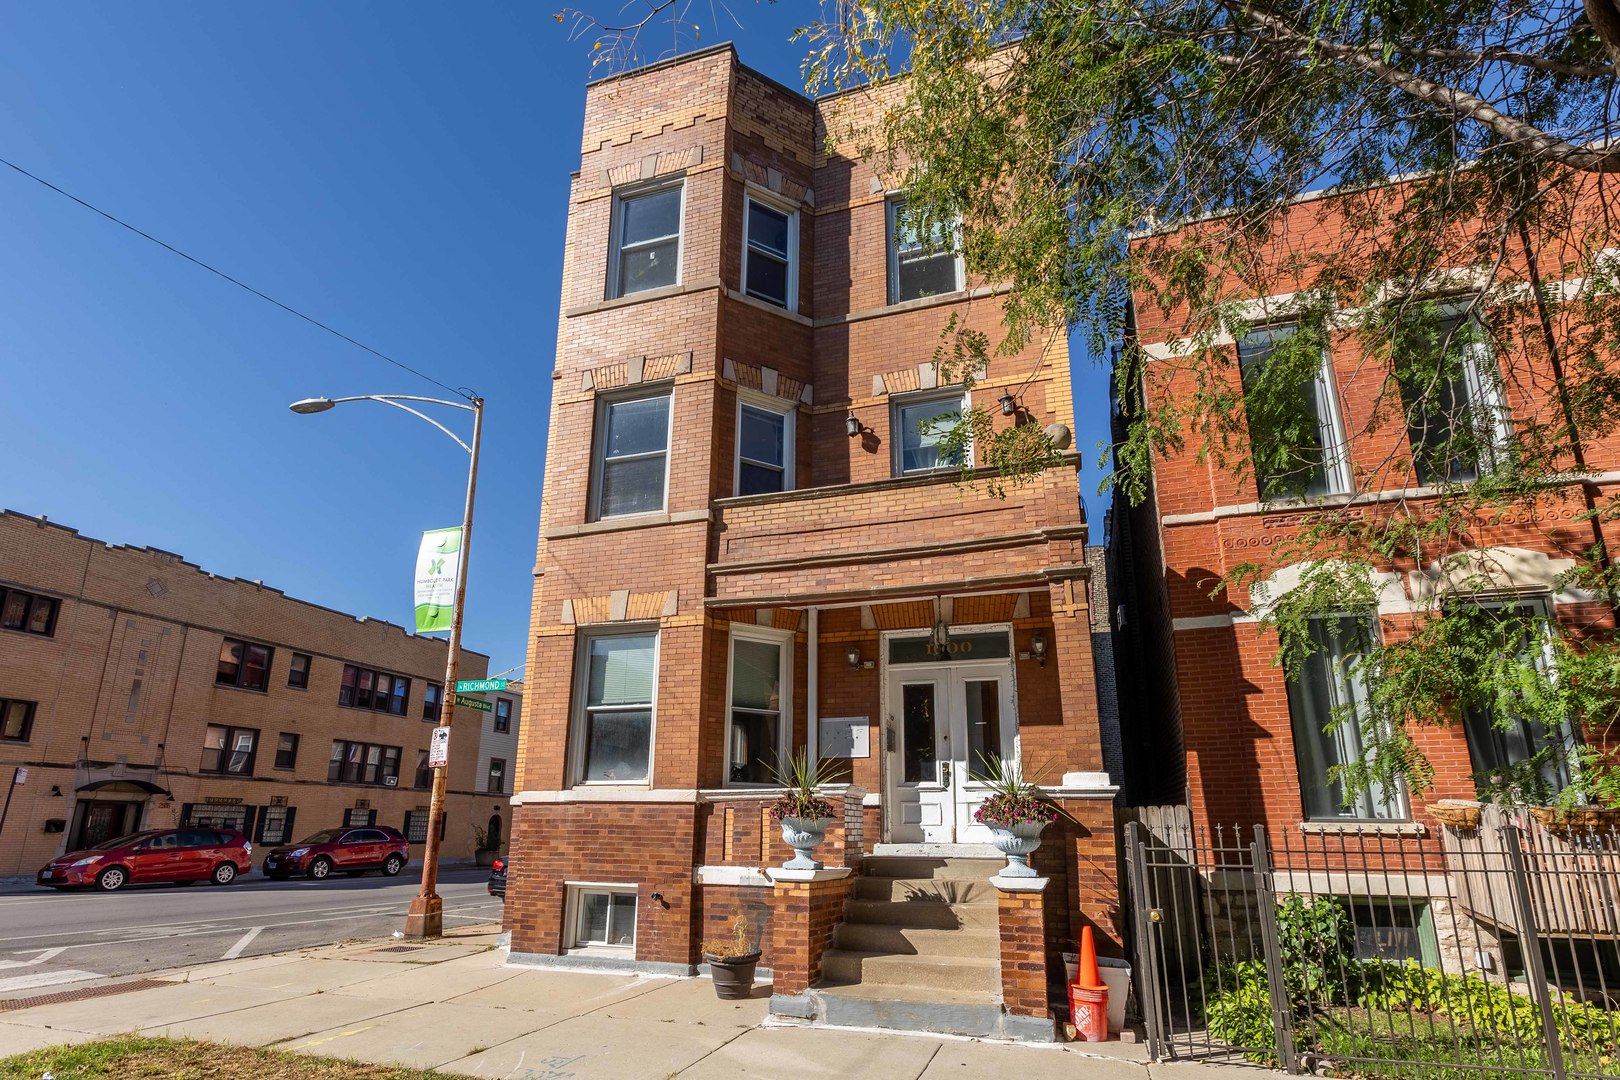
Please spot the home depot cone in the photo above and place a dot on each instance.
(1089, 978)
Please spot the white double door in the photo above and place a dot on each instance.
(942, 722)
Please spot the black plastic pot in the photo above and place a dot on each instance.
(733, 975)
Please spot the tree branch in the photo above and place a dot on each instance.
(1460, 103)
(1508, 56)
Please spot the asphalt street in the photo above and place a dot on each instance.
(52, 941)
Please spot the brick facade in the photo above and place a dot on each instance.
(1225, 709)
(125, 688)
(849, 557)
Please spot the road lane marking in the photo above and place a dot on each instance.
(241, 943)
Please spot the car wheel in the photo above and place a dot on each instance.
(224, 873)
(393, 866)
(112, 879)
(320, 868)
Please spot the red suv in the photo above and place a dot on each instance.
(353, 851)
(183, 855)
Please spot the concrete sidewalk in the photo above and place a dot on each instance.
(454, 1006)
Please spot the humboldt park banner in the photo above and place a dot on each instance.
(436, 563)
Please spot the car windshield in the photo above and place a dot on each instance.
(325, 836)
(121, 841)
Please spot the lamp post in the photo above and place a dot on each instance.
(426, 915)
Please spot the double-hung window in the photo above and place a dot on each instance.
(28, 612)
(920, 422)
(298, 671)
(503, 715)
(1327, 703)
(287, 750)
(646, 243)
(764, 448)
(432, 699)
(497, 776)
(770, 241)
(613, 723)
(229, 750)
(632, 457)
(1297, 440)
(363, 763)
(1456, 415)
(760, 706)
(363, 688)
(1502, 738)
(922, 262)
(16, 719)
(244, 664)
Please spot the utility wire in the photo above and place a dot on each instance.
(234, 281)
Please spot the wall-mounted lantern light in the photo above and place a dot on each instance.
(853, 655)
(852, 426)
(1037, 648)
(1009, 405)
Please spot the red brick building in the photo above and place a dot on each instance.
(1229, 734)
(749, 544)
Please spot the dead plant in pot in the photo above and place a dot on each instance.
(731, 962)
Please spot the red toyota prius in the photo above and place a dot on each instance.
(165, 855)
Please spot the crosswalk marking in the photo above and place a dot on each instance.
(45, 978)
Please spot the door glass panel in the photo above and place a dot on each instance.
(982, 705)
(917, 714)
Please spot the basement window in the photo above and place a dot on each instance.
(601, 916)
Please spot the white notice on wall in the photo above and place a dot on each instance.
(846, 737)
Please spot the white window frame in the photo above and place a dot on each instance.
(1485, 395)
(578, 708)
(891, 212)
(625, 195)
(1399, 801)
(1546, 607)
(599, 446)
(902, 401)
(577, 890)
(765, 403)
(784, 737)
(750, 196)
(1329, 422)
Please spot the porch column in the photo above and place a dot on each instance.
(1076, 741)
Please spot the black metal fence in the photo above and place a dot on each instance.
(1490, 951)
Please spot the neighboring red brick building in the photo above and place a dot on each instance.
(748, 544)
(1234, 740)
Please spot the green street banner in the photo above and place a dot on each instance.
(436, 563)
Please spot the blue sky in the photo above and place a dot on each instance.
(396, 170)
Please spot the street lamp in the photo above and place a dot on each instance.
(426, 915)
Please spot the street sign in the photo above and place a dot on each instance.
(473, 703)
(439, 748)
(480, 686)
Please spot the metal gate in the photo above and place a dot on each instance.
(1379, 953)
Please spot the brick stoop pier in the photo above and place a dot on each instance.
(925, 943)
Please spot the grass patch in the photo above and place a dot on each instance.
(130, 1057)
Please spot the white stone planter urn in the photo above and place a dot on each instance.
(802, 835)
(1018, 842)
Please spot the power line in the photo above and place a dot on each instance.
(234, 281)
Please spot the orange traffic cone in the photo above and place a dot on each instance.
(1090, 978)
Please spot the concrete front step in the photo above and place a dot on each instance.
(950, 868)
(923, 914)
(908, 890)
(916, 941)
(904, 1008)
(972, 974)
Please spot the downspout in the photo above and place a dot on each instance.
(812, 712)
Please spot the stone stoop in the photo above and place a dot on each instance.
(919, 949)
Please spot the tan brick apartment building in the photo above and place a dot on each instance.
(138, 690)
(748, 545)
(1229, 735)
